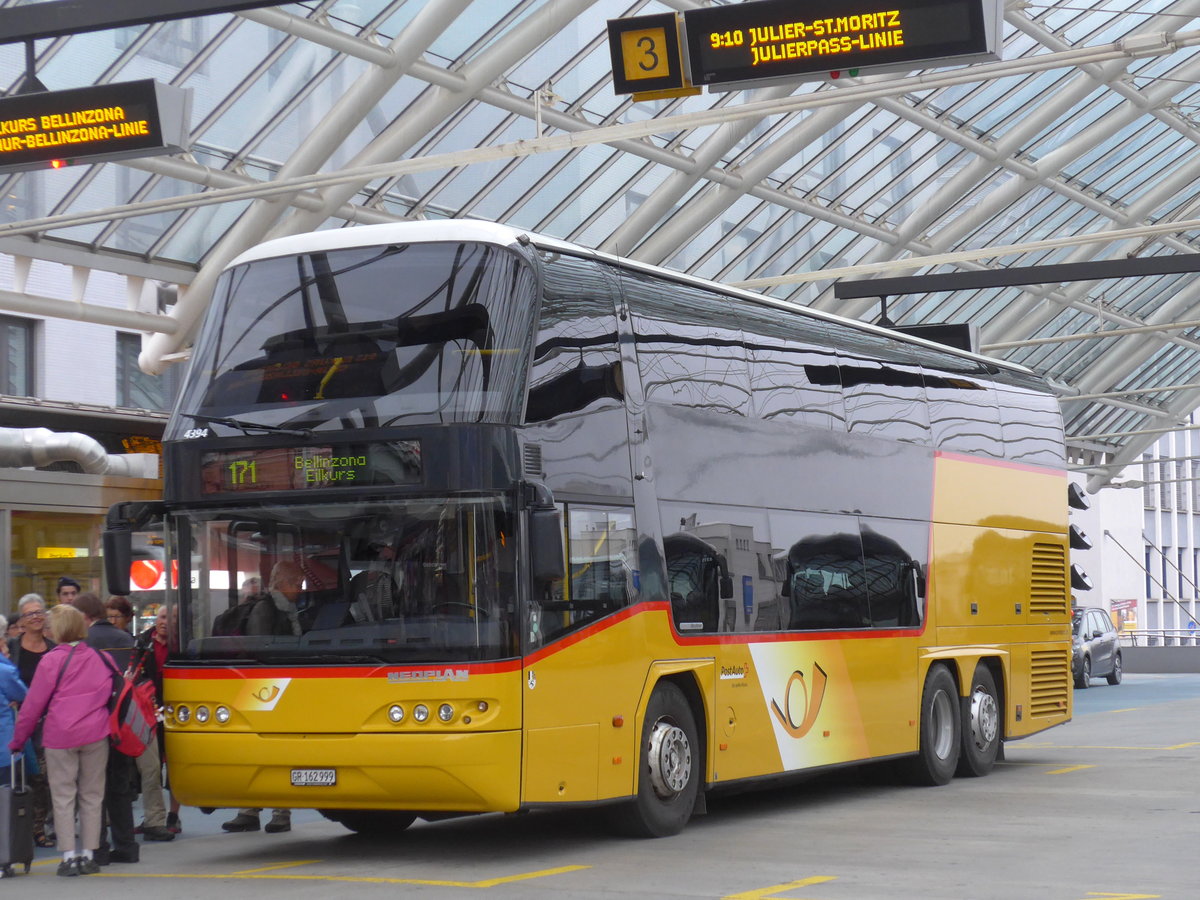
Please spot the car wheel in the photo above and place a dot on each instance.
(940, 740)
(670, 769)
(1114, 677)
(1084, 681)
(981, 725)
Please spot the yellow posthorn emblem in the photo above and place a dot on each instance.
(812, 699)
(261, 694)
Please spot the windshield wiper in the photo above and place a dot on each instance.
(247, 427)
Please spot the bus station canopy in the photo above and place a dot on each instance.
(1077, 146)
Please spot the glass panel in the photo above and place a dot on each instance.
(690, 349)
(823, 579)
(430, 580)
(46, 546)
(374, 335)
(601, 563)
(16, 356)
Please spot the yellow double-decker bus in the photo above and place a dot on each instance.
(467, 519)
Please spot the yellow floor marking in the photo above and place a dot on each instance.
(762, 893)
(1068, 769)
(351, 879)
(286, 865)
(1125, 896)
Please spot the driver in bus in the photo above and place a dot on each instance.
(280, 615)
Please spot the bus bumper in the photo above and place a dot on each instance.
(442, 773)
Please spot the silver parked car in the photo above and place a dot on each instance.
(1096, 650)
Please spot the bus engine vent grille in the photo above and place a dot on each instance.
(531, 460)
(1049, 682)
(1048, 580)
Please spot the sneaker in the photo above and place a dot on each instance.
(68, 868)
(157, 833)
(280, 821)
(86, 865)
(243, 822)
(125, 856)
(173, 825)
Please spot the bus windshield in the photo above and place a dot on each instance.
(364, 337)
(426, 580)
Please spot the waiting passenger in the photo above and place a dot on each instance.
(71, 689)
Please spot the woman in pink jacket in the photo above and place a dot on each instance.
(71, 689)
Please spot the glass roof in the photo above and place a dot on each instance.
(1086, 130)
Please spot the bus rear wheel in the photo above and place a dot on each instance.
(669, 768)
(940, 741)
(981, 725)
(376, 822)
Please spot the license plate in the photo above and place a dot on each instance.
(314, 777)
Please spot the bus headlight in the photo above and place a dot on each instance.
(202, 715)
(421, 712)
(182, 714)
(445, 712)
(221, 715)
(396, 713)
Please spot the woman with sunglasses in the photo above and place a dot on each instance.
(26, 652)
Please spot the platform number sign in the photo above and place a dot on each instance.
(646, 54)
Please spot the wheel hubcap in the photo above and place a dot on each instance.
(985, 719)
(670, 759)
(941, 725)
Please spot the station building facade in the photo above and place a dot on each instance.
(71, 393)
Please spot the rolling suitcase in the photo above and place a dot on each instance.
(16, 820)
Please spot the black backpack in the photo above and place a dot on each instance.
(232, 622)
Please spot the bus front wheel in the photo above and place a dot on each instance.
(981, 724)
(669, 768)
(937, 757)
(376, 822)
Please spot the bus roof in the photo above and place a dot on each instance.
(444, 230)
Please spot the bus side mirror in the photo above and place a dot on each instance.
(546, 544)
(726, 587)
(118, 555)
(122, 521)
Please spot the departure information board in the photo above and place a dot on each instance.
(784, 39)
(92, 124)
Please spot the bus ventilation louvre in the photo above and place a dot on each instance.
(1050, 670)
(1049, 682)
(531, 460)
(1048, 580)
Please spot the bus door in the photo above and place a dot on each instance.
(577, 672)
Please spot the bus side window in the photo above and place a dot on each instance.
(690, 350)
(962, 413)
(694, 574)
(1030, 423)
(576, 362)
(793, 370)
(600, 548)
(884, 399)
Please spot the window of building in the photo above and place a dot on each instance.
(16, 356)
(137, 389)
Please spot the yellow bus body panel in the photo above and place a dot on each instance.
(565, 725)
(285, 719)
